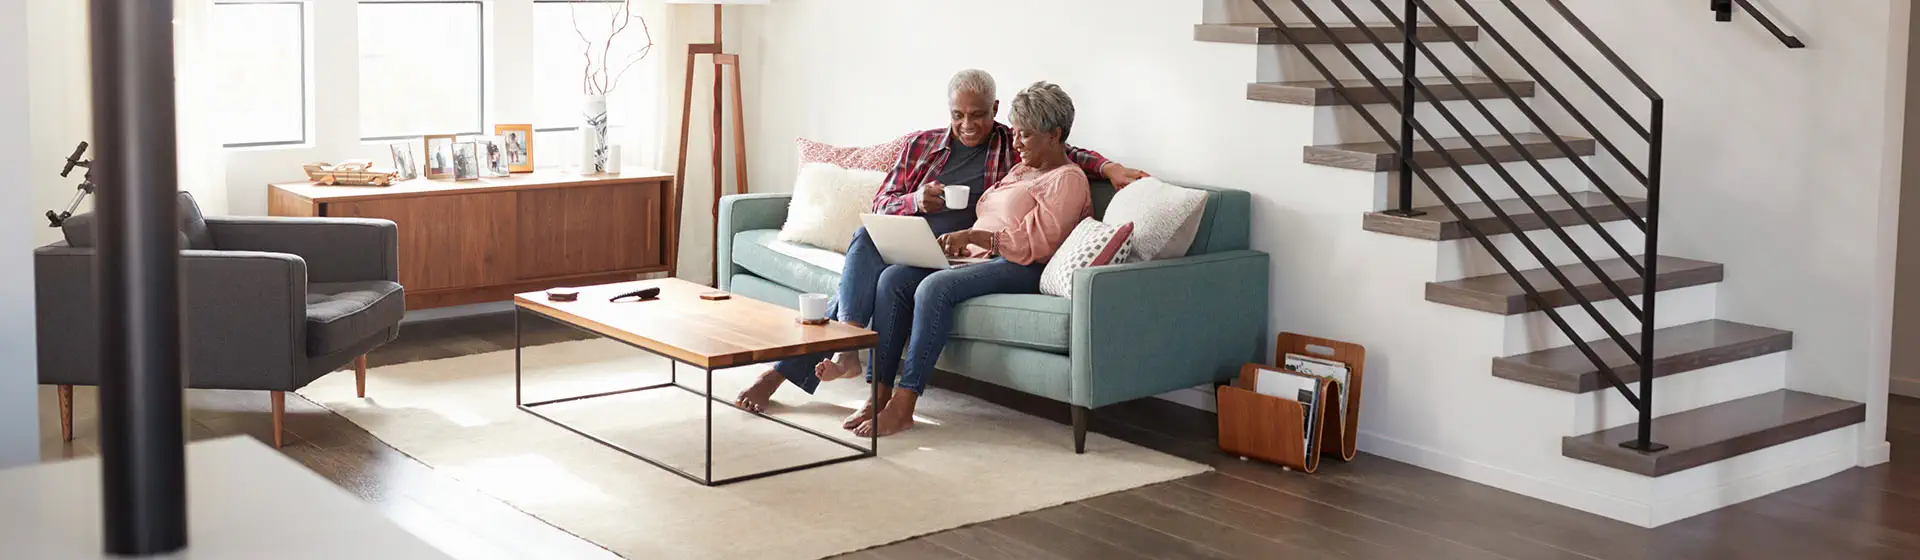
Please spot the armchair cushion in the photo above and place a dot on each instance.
(79, 229)
(342, 314)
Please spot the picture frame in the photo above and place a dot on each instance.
(517, 141)
(466, 161)
(439, 156)
(404, 162)
(493, 157)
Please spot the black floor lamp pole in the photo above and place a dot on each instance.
(142, 439)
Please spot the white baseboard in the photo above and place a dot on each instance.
(1905, 387)
(1196, 397)
(1875, 454)
(1626, 510)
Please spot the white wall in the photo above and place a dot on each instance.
(1775, 163)
(19, 400)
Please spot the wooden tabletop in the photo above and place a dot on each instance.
(543, 179)
(709, 334)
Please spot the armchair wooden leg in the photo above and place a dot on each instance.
(1080, 429)
(66, 411)
(360, 376)
(279, 417)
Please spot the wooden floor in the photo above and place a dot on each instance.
(1370, 508)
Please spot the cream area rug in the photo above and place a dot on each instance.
(965, 462)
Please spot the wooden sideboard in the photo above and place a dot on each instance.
(485, 240)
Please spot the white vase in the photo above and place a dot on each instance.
(593, 132)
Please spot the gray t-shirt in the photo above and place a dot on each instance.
(966, 165)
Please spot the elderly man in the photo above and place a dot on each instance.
(974, 150)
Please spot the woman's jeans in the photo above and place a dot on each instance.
(859, 279)
(914, 313)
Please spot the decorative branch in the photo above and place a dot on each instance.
(600, 78)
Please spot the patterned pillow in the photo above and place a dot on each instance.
(878, 157)
(1092, 243)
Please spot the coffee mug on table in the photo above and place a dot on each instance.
(958, 196)
(813, 307)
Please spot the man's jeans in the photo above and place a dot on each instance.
(916, 313)
(859, 280)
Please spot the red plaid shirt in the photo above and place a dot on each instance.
(926, 155)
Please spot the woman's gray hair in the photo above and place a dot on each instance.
(974, 80)
(1043, 107)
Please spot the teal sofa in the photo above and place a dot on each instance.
(1131, 331)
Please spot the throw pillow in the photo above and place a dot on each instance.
(878, 157)
(827, 203)
(1092, 243)
(1165, 217)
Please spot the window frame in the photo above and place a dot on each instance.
(575, 128)
(480, 7)
(306, 73)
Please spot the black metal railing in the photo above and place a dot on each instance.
(1723, 11)
(1408, 91)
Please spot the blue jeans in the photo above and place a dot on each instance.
(915, 314)
(859, 279)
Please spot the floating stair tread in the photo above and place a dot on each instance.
(1379, 156)
(1677, 349)
(1712, 433)
(1322, 93)
(1500, 293)
(1440, 224)
(1308, 34)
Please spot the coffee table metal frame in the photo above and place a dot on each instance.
(706, 478)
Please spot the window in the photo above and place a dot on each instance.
(560, 63)
(260, 48)
(421, 69)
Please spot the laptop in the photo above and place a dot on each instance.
(909, 240)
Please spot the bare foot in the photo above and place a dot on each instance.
(755, 398)
(895, 417)
(866, 411)
(842, 366)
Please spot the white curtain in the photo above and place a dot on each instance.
(201, 158)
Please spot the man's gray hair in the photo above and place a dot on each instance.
(974, 80)
(1043, 107)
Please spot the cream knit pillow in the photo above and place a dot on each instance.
(827, 203)
(1165, 218)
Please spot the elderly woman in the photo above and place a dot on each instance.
(1021, 221)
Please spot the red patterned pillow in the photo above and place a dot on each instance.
(878, 157)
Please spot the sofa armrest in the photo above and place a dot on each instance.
(335, 249)
(243, 314)
(1148, 328)
(744, 212)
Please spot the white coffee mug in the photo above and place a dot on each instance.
(957, 196)
(813, 307)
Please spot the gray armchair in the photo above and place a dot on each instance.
(269, 304)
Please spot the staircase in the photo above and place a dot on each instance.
(1537, 195)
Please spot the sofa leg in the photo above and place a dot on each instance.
(360, 376)
(1080, 429)
(279, 417)
(66, 411)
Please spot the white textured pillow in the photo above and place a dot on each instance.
(1165, 217)
(827, 203)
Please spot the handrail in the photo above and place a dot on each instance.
(1406, 95)
(1723, 11)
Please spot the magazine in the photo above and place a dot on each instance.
(1320, 367)
(1302, 389)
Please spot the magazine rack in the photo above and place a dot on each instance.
(1274, 429)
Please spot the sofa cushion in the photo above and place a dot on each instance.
(79, 229)
(1032, 321)
(827, 203)
(342, 314)
(808, 269)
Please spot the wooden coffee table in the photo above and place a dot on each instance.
(707, 335)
